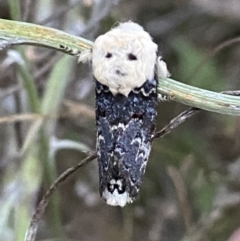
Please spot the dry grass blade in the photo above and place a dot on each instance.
(21, 117)
(182, 197)
(32, 230)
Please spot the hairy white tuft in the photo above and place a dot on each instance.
(130, 26)
(116, 199)
(162, 70)
(85, 56)
(124, 58)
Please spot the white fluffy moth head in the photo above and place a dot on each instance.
(124, 68)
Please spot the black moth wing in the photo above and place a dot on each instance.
(125, 127)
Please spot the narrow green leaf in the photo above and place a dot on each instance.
(55, 89)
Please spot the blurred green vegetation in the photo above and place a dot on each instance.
(191, 187)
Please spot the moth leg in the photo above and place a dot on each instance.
(163, 97)
(231, 92)
(175, 122)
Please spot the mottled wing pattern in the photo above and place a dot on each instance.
(125, 126)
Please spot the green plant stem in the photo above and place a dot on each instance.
(200, 98)
(16, 33)
(29, 85)
(13, 33)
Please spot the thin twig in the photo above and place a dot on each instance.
(175, 122)
(215, 51)
(32, 230)
(20, 117)
(72, 110)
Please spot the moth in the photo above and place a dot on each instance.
(126, 70)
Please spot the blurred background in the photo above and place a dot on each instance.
(191, 189)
